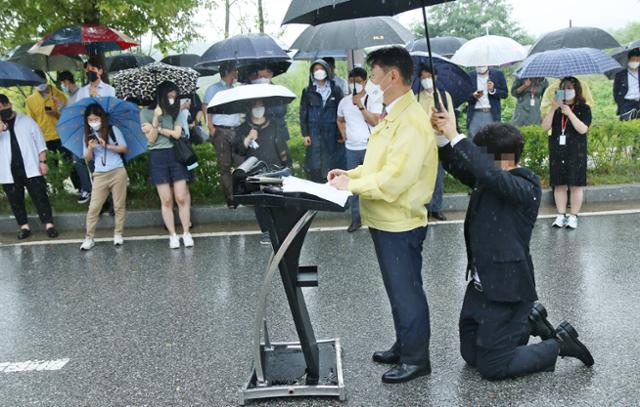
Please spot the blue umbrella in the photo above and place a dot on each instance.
(17, 75)
(566, 62)
(451, 77)
(124, 115)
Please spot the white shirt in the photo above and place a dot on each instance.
(483, 102)
(358, 130)
(103, 90)
(31, 142)
(634, 88)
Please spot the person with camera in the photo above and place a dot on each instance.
(162, 123)
(104, 145)
(264, 139)
(528, 92)
(569, 121)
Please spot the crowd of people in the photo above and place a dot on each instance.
(336, 117)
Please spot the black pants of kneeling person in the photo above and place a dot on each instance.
(37, 188)
(494, 337)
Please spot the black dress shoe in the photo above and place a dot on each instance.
(403, 373)
(387, 357)
(24, 233)
(354, 226)
(538, 323)
(570, 345)
(52, 232)
(437, 215)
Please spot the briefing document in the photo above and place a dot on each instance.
(324, 191)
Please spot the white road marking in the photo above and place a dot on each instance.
(32, 365)
(318, 229)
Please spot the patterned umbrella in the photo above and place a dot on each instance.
(140, 84)
(83, 39)
(124, 115)
(566, 62)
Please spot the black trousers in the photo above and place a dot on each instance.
(37, 188)
(494, 337)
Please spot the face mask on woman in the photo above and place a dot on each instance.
(258, 112)
(95, 126)
(320, 75)
(171, 101)
(569, 94)
(427, 83)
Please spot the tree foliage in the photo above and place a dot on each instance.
(471, 18)
(629, 33)
(171, 21)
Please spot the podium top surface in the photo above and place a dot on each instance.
(299, 201)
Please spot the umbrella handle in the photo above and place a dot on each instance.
(436, 96)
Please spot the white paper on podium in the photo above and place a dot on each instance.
(324, 191)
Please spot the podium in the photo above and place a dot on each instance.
(308, 366)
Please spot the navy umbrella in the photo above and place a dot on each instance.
(188, 61)
(566, 62)
(17, 75)
(574, 37)
(451, 77)
(445, 46)
(319, 54)
(127, 61)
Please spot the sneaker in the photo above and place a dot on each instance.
(265, 239)
(87, 244)
(572, 221)
(174, 242)
(560, 222)
(187, 240)
(118, 240)
(84, 197)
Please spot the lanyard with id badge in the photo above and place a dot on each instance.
(565, 121)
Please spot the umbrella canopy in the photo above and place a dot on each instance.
(241, 98)
(318, 54)
(124, 115)
(316, 12)
(621, 55)
(489, 50)
(188, 61)
(353, 34)
(140, 83)
(83, 39)
(127, 61)
(445, 46)
(566, 62)
(20, 55)
(451, 77)
(575, 37)
(243, 50)
(17, 75)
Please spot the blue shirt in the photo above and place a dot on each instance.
(112, 160)
(324, 91)
(228, 120)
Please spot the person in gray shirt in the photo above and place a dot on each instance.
(528, 92)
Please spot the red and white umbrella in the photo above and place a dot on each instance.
(83, 39)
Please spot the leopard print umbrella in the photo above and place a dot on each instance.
(139, 84)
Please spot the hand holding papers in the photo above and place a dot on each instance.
(324, 191)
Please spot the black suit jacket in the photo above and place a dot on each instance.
(502, 213)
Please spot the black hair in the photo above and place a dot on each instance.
(358, 72)
(393, 57)
(66, 76)
(227, 67)
(162, 91)
(95, 62)
(40, 73)
(427, 68)
(330, 60)
(634, 53)
(499, 139)
(4, 99)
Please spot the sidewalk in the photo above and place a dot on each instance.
(221, 218)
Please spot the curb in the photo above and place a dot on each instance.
(220, 214)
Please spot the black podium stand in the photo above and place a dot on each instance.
(308, 367)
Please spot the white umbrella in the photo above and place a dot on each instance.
(489, 50)
(240, 99)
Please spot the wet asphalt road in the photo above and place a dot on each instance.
(146, 326)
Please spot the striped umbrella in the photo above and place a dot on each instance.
(566, 62)
(83, 39)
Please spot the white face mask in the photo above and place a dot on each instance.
(258, 112)
(427, 83)
(95, 126)
(320, 75)
(171, 101)
(358, 87)
(482, 69)
(374, 92)
(42, 88)
(569, 94)
(634, 65)
(260, 81)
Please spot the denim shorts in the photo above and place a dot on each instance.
(164, 168)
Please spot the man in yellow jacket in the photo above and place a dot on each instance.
(394, 184)
(44, 106)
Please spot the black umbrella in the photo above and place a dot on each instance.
(127, 61)
(321, 53)
(188, 61)
(445, 46)
(316, 12)
(17, 75)
(621, 55)
(575, 37)
(246, 49)
(20, 55)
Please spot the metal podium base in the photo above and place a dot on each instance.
(285, 376)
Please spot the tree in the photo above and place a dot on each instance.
(627, 34)
(260, 17)
(471, 18)
(170, 21)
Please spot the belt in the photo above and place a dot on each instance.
(484, 110)
(226, 127)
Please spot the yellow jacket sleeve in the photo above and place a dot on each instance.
(355, 173)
